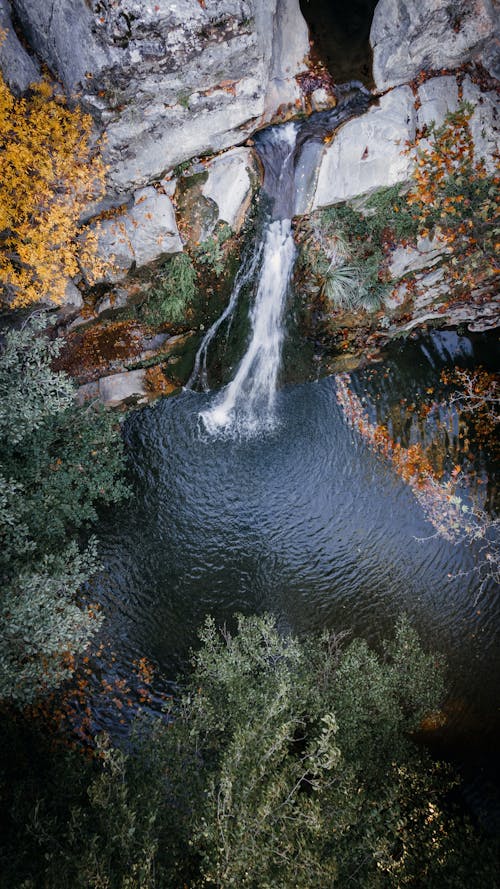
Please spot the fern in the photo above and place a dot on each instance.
(169, 302)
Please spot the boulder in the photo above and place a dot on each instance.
(170, 80)
(408, 36)
(438, 96)
(18, 68)
(141, 235)
(123, 387)
(231, 179)
(368, 152)
(217, 191)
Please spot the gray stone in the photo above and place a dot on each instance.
(122, 387)
(18, 68)
(72, 296)
(408, 36)
(438, 96)
(484, 123)
(142, 235)
(72, 299)
(427, 252)
(170, 80)
(87, 392)
(117, 299)
(230, 182)
(368, 152)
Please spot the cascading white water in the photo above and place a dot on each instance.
(245, 275)
(246, 405)
(247, 402)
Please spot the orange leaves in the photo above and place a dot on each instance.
(453, 191)
(48, 173)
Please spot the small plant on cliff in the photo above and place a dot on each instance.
(337, 268)
(453, 193)
(211, 253)
(48, 173)
(169, 302)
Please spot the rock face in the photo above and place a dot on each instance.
(170, 80)
(408, 36)
(142, 235)
(366, 153)
(18, 67)
(218, 191)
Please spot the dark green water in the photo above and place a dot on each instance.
(306, 522)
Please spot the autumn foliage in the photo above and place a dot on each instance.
(48, 173)
(454, 194)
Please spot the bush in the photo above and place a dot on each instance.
(48, 174)
(57, 462)
(169, 302)
(288, 764)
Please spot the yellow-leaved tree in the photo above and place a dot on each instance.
(49, 171)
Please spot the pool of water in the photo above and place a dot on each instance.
(304, 521)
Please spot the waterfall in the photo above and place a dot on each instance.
(247, 402)
(245, 274)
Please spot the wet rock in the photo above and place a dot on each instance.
(367, 152)
(123, 387)
(145, 233)
(18, 67)
(408, 36)
(170, 80)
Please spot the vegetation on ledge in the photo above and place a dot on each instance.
(453, 198)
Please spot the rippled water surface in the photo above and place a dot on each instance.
(304, 521)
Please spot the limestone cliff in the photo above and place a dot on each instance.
(167, 79)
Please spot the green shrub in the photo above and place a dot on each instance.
(211, 252)
(169, 302)
(57, 463)
(289, 764)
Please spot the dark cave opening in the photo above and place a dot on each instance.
(340, 31)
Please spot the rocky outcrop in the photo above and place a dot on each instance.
(219, 190)
(368, 152)
(137, 237)
(409, 36)
(18, 68)
(166, 80)
(120, 388)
